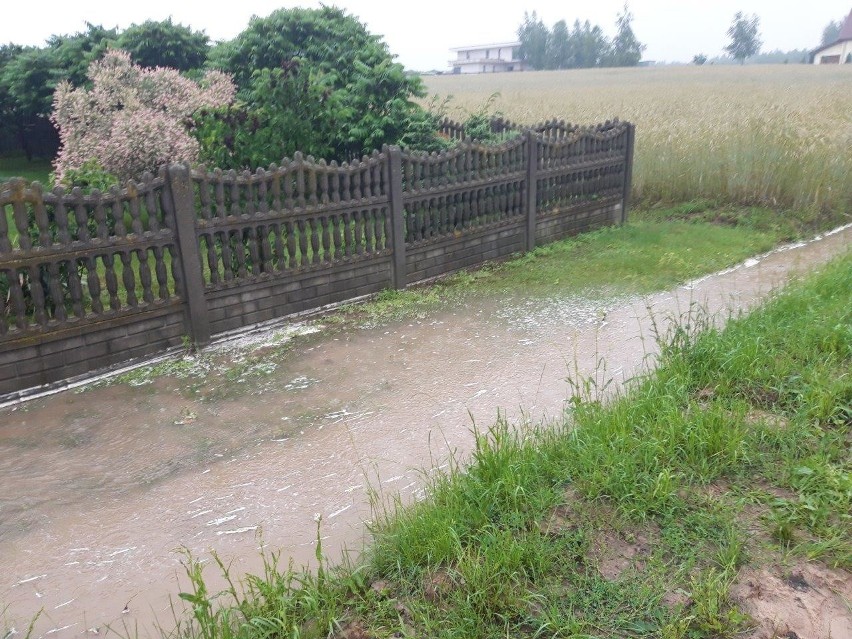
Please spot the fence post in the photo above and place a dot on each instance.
(397, 213)
(182, 203)
(532, 172)
(628, 171)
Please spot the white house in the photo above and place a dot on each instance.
(839, 51)
(487, 58)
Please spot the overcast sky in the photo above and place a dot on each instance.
(421, 32)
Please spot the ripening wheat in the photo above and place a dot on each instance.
(773, 135)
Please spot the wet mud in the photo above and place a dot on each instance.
(248, 445)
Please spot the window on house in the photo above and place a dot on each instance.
(487, 53)
(468, 55)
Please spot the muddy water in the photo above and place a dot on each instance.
(101, 487)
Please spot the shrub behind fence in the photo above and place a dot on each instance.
(87, 281)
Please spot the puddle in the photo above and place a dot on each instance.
(248, 444)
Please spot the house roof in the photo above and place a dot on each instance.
(844, 35)
(493, 45)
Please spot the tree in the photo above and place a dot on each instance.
(280, 116)
(625, 49)
(831, 32)
(29, 76)
(589, 44)
(132, 119)
(165, 44)
(745, 38)
(535, 38)
(72, 54)
(8, 52)
(362, 98)
(28, 81)
(559, 50)
(699, 59)
(581, 47)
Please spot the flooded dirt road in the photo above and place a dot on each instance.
(101, 487)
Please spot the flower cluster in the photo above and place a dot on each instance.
(132, 119)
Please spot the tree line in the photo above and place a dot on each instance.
(581, 46)
(30, 75)
(312, 80)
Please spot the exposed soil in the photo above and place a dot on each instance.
(801, 600)
(101, 486)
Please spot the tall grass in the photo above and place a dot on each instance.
(771, 135)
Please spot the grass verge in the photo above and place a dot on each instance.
(632, 518)
(656, 250)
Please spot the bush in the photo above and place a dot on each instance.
(318, 79)
(132, 119)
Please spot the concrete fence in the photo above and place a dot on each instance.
(92, 280)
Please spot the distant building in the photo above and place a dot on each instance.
(487, 58)
(839, 51)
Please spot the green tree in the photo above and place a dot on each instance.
(535, 38)
(559, 52)
(831, 32)
(8, 52)
(72, 54)
(699, 59)
(745, 37)
(583, 46)
(29, 76)
(625, 48)
(28, 81)
(250, 134)
(358, 96)
(589, 44)
(165, 44)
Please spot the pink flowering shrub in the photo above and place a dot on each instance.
(132, 119)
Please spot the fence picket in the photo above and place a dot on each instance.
(196, 234)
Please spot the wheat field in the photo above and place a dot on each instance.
(773, 135)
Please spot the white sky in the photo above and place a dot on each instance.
(421, 33)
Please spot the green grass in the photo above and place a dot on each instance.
(515, 542)
(656, 250)
(637, 258)
(18, 166)
(783, 225)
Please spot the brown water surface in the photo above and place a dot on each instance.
(100, 487)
